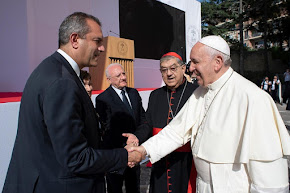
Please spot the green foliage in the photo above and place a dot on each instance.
(222, 16)
(255, 77)
(264, 15)
(215, 15)
(277, 53)
(268, 17)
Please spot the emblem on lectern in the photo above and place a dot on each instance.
(122, 48)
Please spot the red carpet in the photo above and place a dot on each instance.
(6, 97)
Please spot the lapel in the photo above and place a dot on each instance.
(115, 97)
(118, 101)
(72, 73)
(131, 97)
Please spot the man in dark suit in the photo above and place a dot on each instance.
(57, 143)
(120, 109)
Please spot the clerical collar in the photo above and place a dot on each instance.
(220, 82)
(180, 86)
(73, 64)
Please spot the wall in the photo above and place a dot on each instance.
(29, 34)
(254, 65)
(8, 128)
(147, 74)
(14, 45)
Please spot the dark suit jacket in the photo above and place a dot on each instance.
(57, 143)
(117, 118)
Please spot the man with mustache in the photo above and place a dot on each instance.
(121, 111)
(238, 139)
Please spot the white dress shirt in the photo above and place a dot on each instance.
(118, 91)
(73, 64)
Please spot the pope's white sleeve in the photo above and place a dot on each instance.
(269, 176)
(173, 136)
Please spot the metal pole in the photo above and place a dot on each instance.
(241, 38)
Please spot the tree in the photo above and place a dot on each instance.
(271, 17)
(220, 17)
(216, 17)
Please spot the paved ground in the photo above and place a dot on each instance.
(145, 172)
(144, 181)
(286, 118)
(285, 114)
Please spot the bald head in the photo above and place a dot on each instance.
(110, 67)
(116, 75)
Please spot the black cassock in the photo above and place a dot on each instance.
(173, 172)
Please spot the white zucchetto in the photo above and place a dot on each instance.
(216, 42)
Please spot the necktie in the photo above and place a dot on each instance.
(126, 102)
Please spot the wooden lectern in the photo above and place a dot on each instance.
(117, 50)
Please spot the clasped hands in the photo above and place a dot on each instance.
(135, 153)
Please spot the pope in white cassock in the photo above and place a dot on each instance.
(238, 138)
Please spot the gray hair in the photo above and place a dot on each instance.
(166, 58)
(213, 52)
(109, 66)
(75, 23)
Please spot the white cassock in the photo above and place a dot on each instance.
(238, 138)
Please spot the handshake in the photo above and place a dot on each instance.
(135, 153)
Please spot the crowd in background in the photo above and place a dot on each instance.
(279, 92)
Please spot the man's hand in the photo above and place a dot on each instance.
(134, 157)
(131, 139)
(128, 147)
(139, 149)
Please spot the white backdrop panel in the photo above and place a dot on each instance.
(8, 128)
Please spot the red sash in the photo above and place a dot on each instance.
(185, 148)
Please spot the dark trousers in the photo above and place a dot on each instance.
(274, 95)
(131, 177)
(286, 93)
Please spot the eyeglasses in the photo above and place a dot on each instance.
(173, 68)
